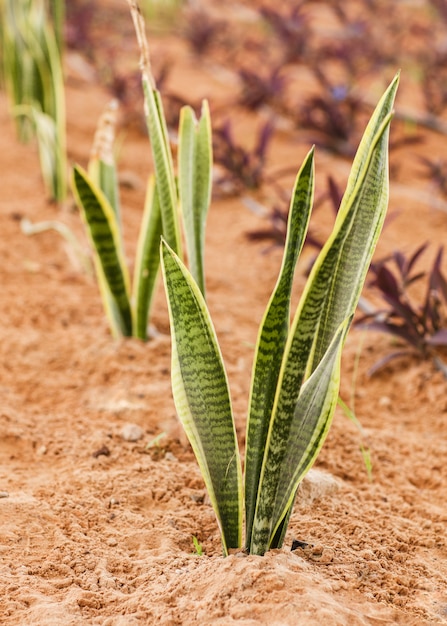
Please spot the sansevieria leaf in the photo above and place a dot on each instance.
(272, 337)
(195, 167)
(110, 264)
(296, 370)
(201, 396)
(303, 436)
(158, 134)
(353, 240)
(163, 165)
(330, 297)
(147, 262)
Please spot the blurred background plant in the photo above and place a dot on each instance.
(31, 45)
(419, 325)
(241, 167)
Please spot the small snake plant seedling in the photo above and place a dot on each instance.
(167, 201)
(296, 371)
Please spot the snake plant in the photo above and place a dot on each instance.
(296, 371)
(169, 205)
(31, 69)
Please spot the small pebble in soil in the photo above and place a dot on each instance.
(170, 457)
(4, 494)
(131, 432)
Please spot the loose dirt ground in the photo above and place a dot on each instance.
(96, 529)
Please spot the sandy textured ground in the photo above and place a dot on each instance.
(97, 529)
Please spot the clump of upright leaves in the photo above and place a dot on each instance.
(361, 47)
(33, 78)
(292, 30)
(259, 89)
(433, 83)
(331, 116)
(242, 167)
(436, 171)
(296, 367)
(170, 203)
(421, 327)
(201, 30)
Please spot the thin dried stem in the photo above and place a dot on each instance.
(102, 148)
(145, 62)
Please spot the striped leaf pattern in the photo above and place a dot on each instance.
(309, 424)
(163, 165)
(159, 138)
(272, 338)
(195, 166)
(147, 261)
(201, 396)
(109, 257)
(329, 299)
(356, 231)
(296, 373)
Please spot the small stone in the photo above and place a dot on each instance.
(327, 556)
(112, 542)
(170, 457)
(315, 485)
(41, 450)
(4, 494)
(131, 432)
(63, 583)
(106, 581)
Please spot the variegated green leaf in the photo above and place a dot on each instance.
(109, 257)
(54, 74)
(272, 338)
(158, 134)
(336, 280)
(311, 422)
(354, 238)
(201, 396)
(382, 110)
(163, 165)
(103, 172)
(147, 261)
(331, 295)
(195, 164)
(303, 436)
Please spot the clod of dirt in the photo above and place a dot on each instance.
(132, 432)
